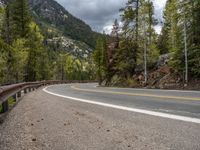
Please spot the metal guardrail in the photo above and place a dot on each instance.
(15, 90)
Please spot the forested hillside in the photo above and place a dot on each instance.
(52, 16)
(136, 55)
(26, 53)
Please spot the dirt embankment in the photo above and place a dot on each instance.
(166, 78)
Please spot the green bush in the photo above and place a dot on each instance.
(11, 102)
(132, 83)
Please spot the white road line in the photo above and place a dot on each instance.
(142, 111)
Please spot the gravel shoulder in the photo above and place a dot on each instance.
(44, 122)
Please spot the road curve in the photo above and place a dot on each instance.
(181, 103)
(62, 121)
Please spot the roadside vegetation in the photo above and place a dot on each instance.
(135, 55)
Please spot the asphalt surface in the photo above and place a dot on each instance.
(183, 103)
(42, 121)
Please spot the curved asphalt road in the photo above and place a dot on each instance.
(86, 117)
(181, 103)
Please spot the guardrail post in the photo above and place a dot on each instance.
(19, 94)
(25, 91)
(5, 106)
(15, 97)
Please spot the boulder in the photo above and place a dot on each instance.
(163, 60)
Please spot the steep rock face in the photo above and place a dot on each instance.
(76, 48)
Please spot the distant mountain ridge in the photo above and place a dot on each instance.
(50, 14)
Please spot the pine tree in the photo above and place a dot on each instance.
(104, 57)
(173, 34)
(7, 26)
(38, 60)
(149, 53)
(98, 60)
(171, 17)
(124, 63)
(3, 61)
(130, 17)
(21, 18)
(20, 54)
(191, 18)
(162, 43)
(2, 14)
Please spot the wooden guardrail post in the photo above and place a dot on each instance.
(5, 106)
(19, 94)
(25, 91)
(14, 97)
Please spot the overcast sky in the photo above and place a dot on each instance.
(100, 14)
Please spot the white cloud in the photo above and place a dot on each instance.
(159, 7)
(158, 29)
(107, 29)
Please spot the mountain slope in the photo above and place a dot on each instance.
(62, 30)
(49, 12)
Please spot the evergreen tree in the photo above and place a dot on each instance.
(6, 30)
(171, 17)
(21, 18)
(3, 61)
(101, 59)
(104, 60)
(20, 54)
(174, 36)
(38, 59)
(148, 53)
(130, 17)
(191, 18)
(124, 59)
(162, 43)
(98, 59)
